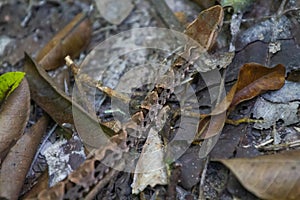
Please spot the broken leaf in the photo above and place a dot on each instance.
(9, 82)
(69, 41)
(19, 160)
(14, 115)
(273, 112)
(273, 177)
(63, 157)
(268, 31)
(114, 11)
(288, 93)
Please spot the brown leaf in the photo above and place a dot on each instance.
(48, 95)
(42, 184)
(203, 32)
(71, 40)
(255, 79)
(19, 159)
(269, 176)
(14, 115)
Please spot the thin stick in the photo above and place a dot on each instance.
(202, 180)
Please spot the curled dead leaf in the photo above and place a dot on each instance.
(253, 79)
(71, 40)
(14, 115)
(273, 177)
(19, 160)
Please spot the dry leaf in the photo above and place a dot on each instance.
(46, 93)
(206, 27)
(14, 115)
(19, 159)
(273, 177)
(71, 40)
(150, 169)
(253, 80)
(114, 11)
(42, 184)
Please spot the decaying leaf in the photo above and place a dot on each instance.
(253, 80)
(273, 112)
(63, 157)
(19, 160)
(69, 41)
(288, 93)
(114, 11)
(150, 169)
(9, 82)
(49, 96)
(14, 115)
(273, 177)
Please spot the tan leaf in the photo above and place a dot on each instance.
(19, 159)
(273, 177)
(206, 27)
(150, 169)
(14, 115)
(71, 40)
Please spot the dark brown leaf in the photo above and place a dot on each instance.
(14, 115)
(19, 159)
(273, 177)
(46, 93)
(71, 40)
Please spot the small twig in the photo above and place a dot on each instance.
(277, 147)
(88, 80)
(202, 180)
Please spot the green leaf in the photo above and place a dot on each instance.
(9, 82)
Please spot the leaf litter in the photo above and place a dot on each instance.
(257, 192)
